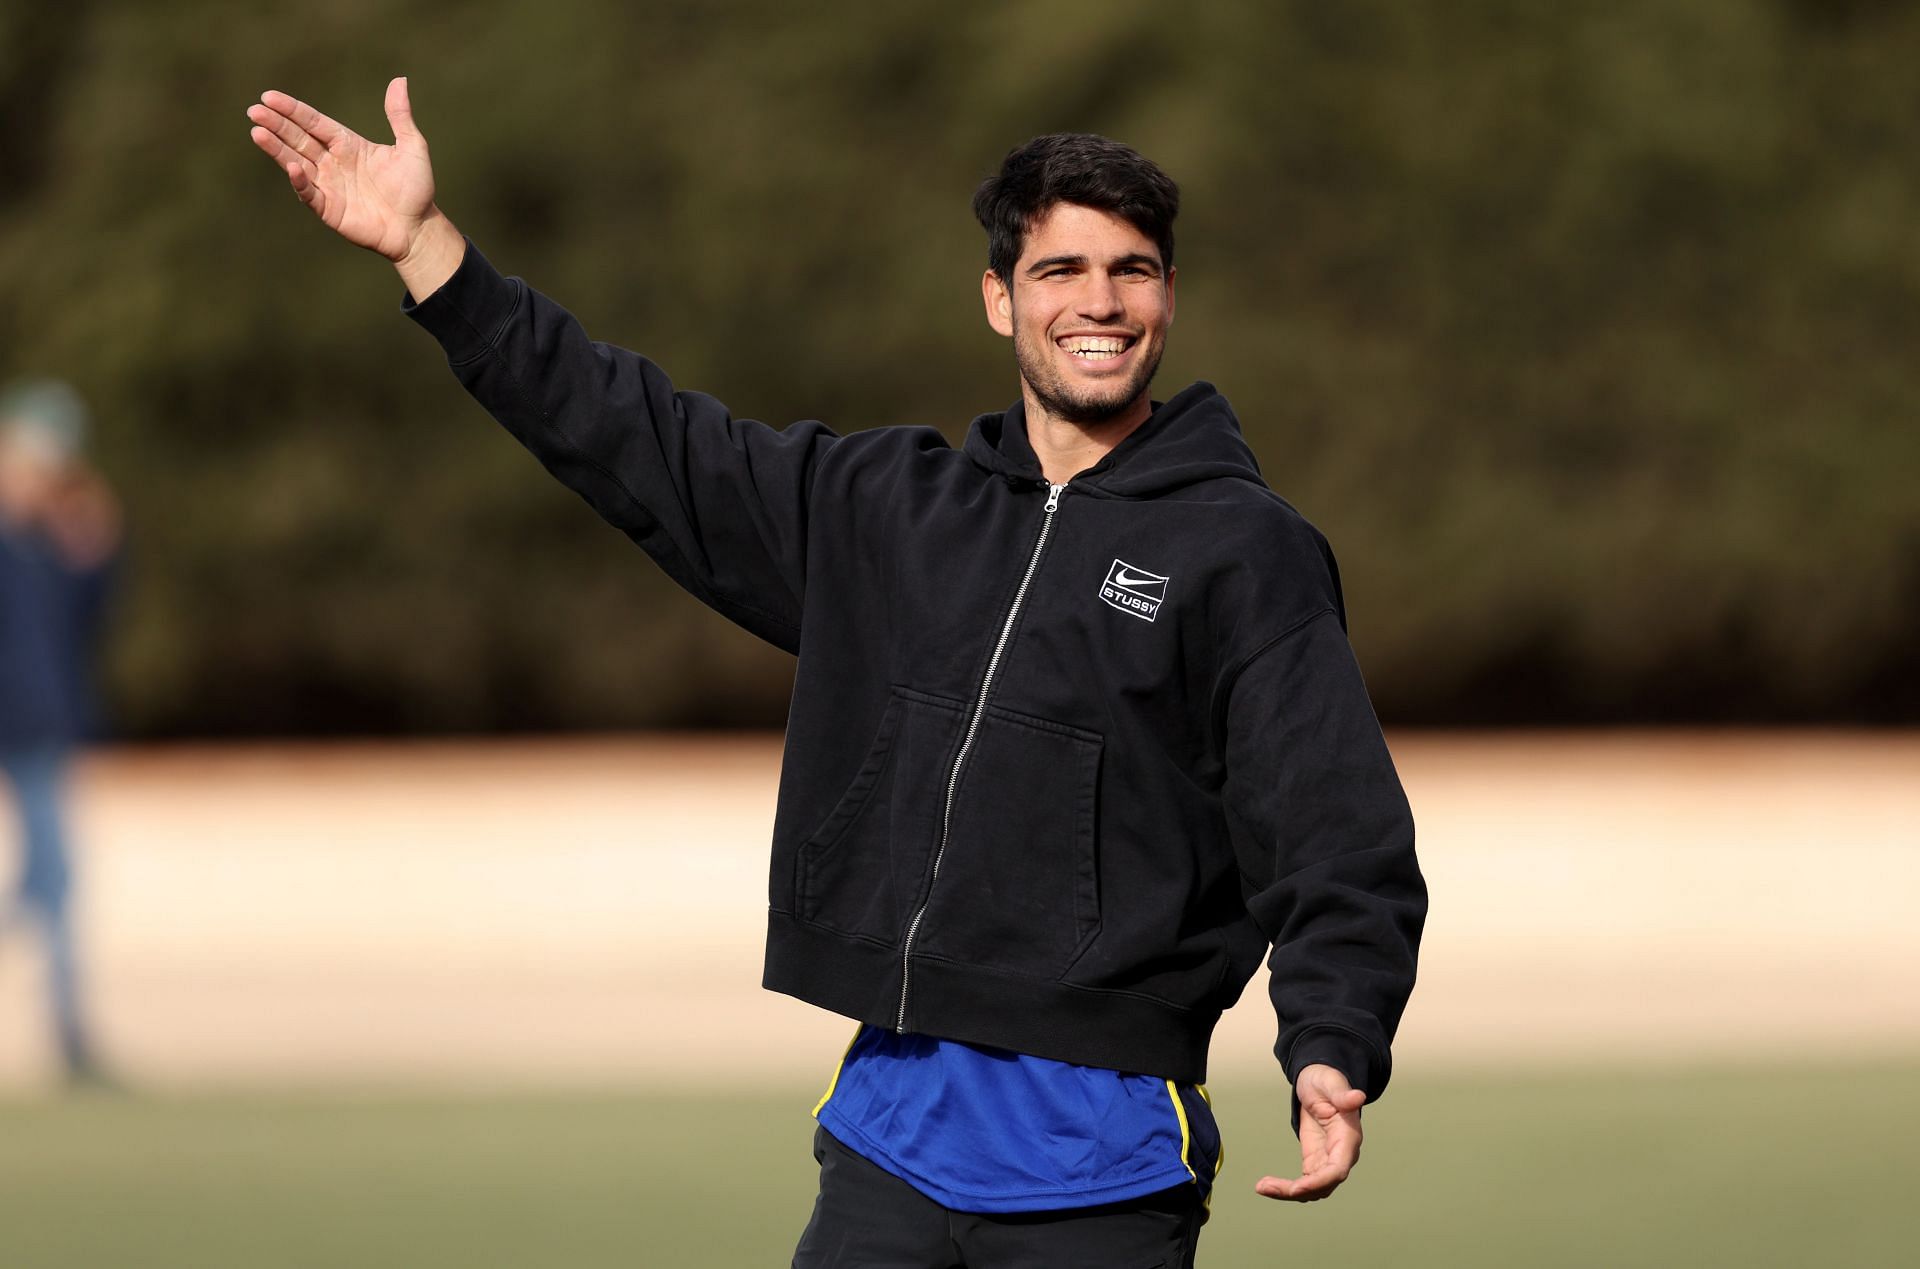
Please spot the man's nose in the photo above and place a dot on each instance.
(1099, 299)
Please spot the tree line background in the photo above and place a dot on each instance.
(1585, 331)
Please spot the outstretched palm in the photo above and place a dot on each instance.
(374, 196)
(1329, 1137)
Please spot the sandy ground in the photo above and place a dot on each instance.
(504, 913)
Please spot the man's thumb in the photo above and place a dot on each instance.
(400, 110)
(1326, 1101)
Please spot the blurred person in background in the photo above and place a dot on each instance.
(1037, 905)
(59, 538)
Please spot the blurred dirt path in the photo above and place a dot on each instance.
(593, 910)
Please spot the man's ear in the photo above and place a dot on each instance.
(993, 292)
(1171, 275)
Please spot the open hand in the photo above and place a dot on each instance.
(375, 196)
(1329, 1136)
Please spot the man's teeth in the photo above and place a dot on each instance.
(1095, 349)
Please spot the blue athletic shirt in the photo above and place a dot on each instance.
(985, 1130)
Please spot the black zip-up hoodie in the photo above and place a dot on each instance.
(1062, 763)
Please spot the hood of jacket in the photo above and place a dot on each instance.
(1193, 436)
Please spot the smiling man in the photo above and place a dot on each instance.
(1076, 738)
(1095, 300)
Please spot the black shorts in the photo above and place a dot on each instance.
(867, 1218)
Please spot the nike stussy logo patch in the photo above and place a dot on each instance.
(1134, 590)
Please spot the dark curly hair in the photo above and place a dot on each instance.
(1073, 167)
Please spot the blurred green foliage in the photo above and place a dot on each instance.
(1583, 330)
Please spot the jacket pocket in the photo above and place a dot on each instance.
(860, 872)
(1019, 884)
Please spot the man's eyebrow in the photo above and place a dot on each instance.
(1047, 263)
(1136, 257)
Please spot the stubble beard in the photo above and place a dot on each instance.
(1063, 401)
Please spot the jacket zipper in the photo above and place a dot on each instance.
(959, 759)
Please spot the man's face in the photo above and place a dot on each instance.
(1088, 312)
(26, 479)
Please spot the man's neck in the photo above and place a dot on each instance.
(1066, 448)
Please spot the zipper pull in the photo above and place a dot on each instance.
(1053, 496)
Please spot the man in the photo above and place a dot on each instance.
(1076, 735)
(59, 531)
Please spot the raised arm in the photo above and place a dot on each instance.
(375, 196)
(720, 503)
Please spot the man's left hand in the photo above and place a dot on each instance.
(1329, 1136)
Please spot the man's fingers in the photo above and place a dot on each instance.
(323, 129)
(304, 186)
(282, 139)
(400, 111)
(1313, 1185)
(282, 157)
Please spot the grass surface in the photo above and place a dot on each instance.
(1745, 1168)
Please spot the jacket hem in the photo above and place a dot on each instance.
(1041, 1018)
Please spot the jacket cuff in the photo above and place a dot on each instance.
(469, 310)
(1344, 1052)
(1347, 1054)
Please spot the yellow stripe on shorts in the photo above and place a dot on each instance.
(839, 1066)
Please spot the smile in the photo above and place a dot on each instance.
(1095, 348)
